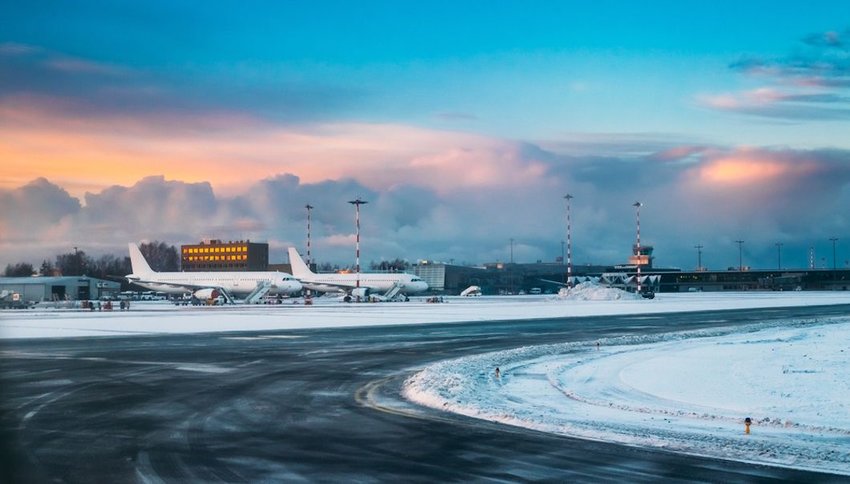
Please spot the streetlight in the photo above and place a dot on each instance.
(569, 197)
(740, 255)
(637, 206)
(699, 247)
(357, 202)
(779, 255)
(834, 265)
(510, 268)
(309, 257)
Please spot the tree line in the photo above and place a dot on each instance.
(160, 256)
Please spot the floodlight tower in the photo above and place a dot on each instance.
(569, 197)
(637, 206)
(834, 264)
(309, 219)
(740, 255)
(357, 202)
(779, 255)
(699, 248)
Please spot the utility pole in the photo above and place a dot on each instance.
(637, 206)
(569, 197)
(510, 268)
(699, 247)
(357, 202)
(740, 255)
(309, 219)
(779, 255)
(834, 264)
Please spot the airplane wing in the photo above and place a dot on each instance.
(175, 285)
(342, 286)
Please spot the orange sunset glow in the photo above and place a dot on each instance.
(742, 170)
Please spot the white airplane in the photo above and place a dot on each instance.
(373, 281)
(204, 285)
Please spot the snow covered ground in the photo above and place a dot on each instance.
(686, 392)
(160, 317)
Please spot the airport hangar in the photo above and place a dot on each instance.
(59, 288)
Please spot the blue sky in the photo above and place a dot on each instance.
(716, 111)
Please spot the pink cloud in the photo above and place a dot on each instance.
(232, 150)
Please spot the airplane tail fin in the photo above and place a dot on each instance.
(137, 260)
(299, 268)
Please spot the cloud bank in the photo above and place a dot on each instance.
(692, 194)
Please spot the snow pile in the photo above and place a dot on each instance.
(591, 291)
(686, 392)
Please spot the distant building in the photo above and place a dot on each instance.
(216, 255)
(757, 280)
(498, 277)
(59, 288)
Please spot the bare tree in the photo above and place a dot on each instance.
(47, 268)
(160, 256)
(21, 269)
(75, 263)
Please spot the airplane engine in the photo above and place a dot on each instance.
(207, 293)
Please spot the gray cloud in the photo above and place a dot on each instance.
(38, 204)
(810, 84)
(88, 87)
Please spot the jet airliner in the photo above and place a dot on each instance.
(203, 284)
(374, 281)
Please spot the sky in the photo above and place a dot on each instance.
(463, 126)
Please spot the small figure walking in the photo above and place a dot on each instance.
(597, 346)
(747, 422)
(498, 373)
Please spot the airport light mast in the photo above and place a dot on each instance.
(637, 206)
(779, 255)
(834, 263)
(740, 255)
(699, 248)
(309, 219)
(357, 202)
(569, 197)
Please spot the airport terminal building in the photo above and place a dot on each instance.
(505, 278)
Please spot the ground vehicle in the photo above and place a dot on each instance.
(12, 300)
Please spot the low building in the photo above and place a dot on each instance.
(216, 256)
(60, 288)
(498, 277)
(757, 280)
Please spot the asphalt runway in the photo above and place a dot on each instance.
(311, 406)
